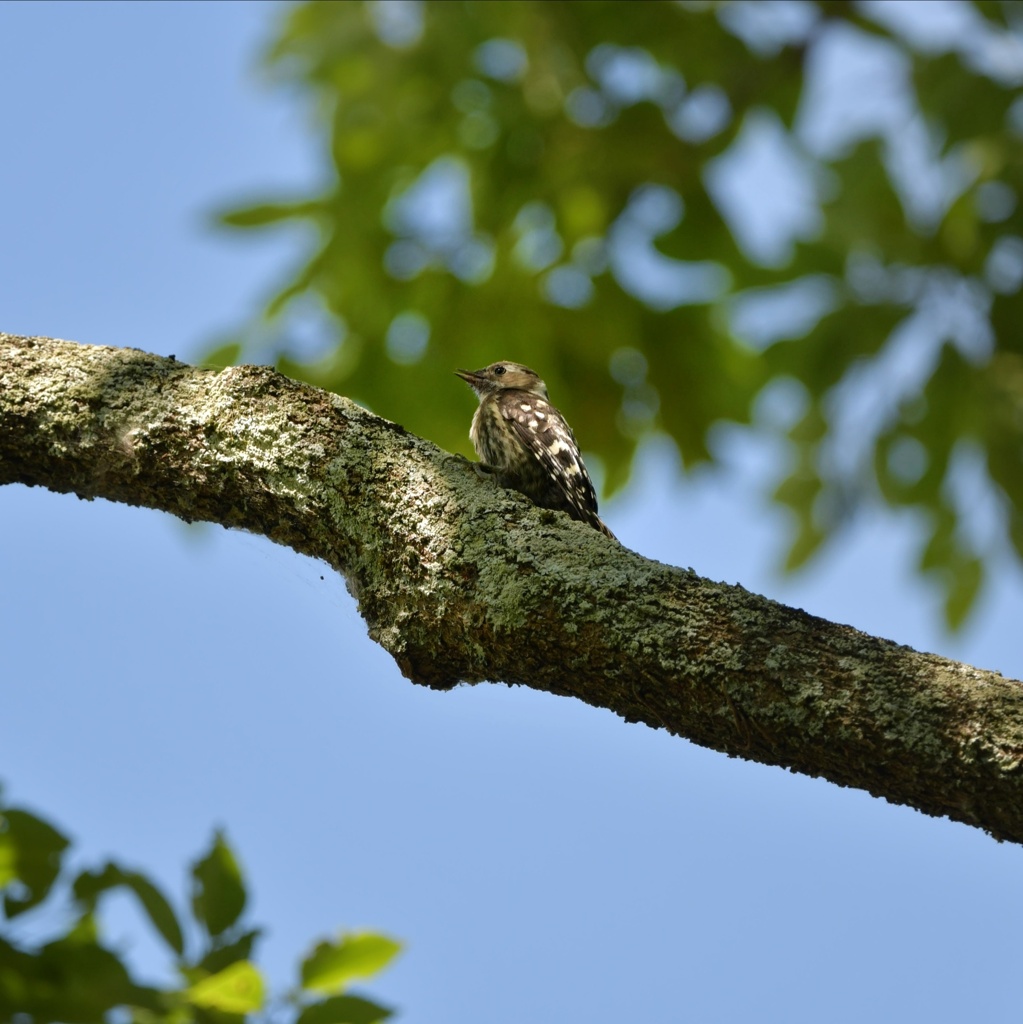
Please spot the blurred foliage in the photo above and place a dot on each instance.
(799, 216)
(72, 977)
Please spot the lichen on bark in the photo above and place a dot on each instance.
(462, 581)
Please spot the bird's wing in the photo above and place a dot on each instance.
(549, 439)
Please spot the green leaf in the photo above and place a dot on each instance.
(223, 956)
(939, 550)
(236, 989)
(799, 491)
(223, 355)
(30, 854)
(806, 543)
(262, 214)
(965, 583)
(1016, 533)
(91, 884)
(344, 1010)
(331, 966)
(72, 980)
(218, 890)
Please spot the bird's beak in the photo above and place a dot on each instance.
(470, 378)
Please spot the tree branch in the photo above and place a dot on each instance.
(461, 580)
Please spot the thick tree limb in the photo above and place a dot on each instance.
(461, 580)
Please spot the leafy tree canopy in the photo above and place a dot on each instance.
(72, 976)
(798, 215)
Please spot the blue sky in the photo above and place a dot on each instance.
(541, 859)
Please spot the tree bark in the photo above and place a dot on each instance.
(462, 581)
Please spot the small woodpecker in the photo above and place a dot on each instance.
(522, 439)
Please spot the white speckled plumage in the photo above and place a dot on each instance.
(527, 443)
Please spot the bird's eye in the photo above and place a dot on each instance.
(499, 371)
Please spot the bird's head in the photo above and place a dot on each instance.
(503, 376)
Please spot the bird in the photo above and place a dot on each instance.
(526, 443)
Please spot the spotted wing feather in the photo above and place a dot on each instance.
(560, 478)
